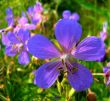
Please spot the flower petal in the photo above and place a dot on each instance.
(90, 49)
(47, 74)
(10, 51)
(9, 17)
(75, 16)
(36, 19)
(16, 29)
(23, 20)
(108, 82)
(24, 58)
(13, 37)
(68, 32)
(30, 26)
(81, 79)
(66, 14)
(30, 12)
(103, 35)
(23, 35)
(106, 69)
(38, 8)
(5, 40)
(41, 47)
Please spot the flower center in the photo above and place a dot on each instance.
(17, 46)
(64, 57)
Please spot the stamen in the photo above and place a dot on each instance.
(62, 61)
(60, 68)
(71, 68)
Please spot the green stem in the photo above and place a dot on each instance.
(102, 74)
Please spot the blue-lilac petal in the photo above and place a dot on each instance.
(38, 8)
(108, 81)
(106, 69)
(81, 79)
(13, 37)
(9, 17)
(10, 21)
(9, 11)
(23, 35)
(75, 16)
(90, 49)
(68, 32)
(23, 14)
(30, 11)
(10, 51)
(35, 20)
(47, 74)
(24, 58)
(42, 47)
(103, 35)
(23, 20)
(30, 26)
(66, 14)
(5, 40)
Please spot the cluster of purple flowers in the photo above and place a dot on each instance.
(16, 43)
(68, 32)
(16, 36)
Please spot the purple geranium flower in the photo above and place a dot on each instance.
(68, 33)
(103, 33)
(67, 14)
(35, 13)
(106, 71)
(17, 43)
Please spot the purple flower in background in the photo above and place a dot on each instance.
(30, 12)
(23, 23)
(10, 20)
(106, 71)
(103, 33)
(68, 33)
(103, 36)
(17, 44)
(9, 17)
(67, 14)
(38, 8)
(35, 13)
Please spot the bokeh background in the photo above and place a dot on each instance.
(16, 81)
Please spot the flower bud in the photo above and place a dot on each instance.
(91, 96)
